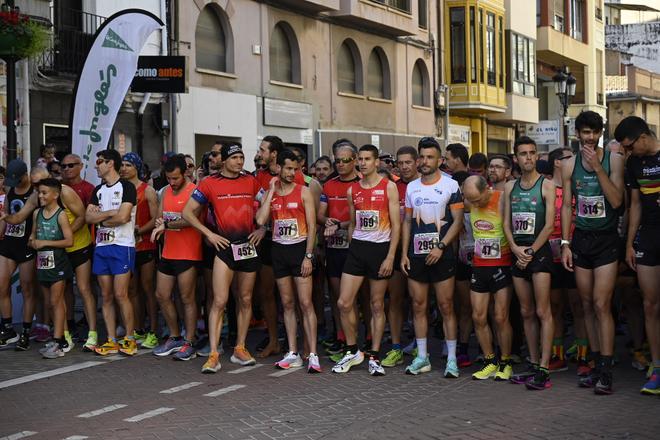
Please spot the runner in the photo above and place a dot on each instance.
(373, 204)
(15, 252)
(51, 233)
(181, 253)
(457, 158)
(291, 209)
(595, 179)
(478, 165)
(112, 210)
(499, 172)
(643, 246)
(434, 210)
(491, 274)
(232, 196)
(528, 222)
(142, 282)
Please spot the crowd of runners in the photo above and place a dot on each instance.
(515, 249)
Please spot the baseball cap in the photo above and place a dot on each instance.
(15, 170)
(229, 150)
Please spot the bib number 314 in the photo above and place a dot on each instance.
(591, 207)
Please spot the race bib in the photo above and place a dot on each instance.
(424, 243)
(169, 216)
(286, 229)
(555, 246)
(243, 251)
(339, 240)
(15, 230)
(523, 223)
(591, 207)
(45, 260)
(367, 220)
(487, 248)
(105, 236)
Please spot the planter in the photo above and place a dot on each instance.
(20, 37)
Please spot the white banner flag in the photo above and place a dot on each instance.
(104, 80)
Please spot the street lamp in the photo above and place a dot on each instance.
(565, 89)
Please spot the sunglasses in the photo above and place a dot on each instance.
(629, 146)
(100, 161)
(565, 157)
(343, 160)
(190, 165)
(214, 153)
(70, 165)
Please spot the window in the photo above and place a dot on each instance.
(473, 47)
(490, 48)
(558, 14)
(576, 11)
(349, 68)
(213, 40)
(422, 10)
(481, 45)
(284, 54)
(378, 75)
(457, 29)
(523, 65)
(420, 85)
(501, 44)
(538, 13)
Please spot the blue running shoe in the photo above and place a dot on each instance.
(652, 387)
(186, 352)
(419, 365)
(451, 370)
(170, 346)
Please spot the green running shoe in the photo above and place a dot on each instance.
(150, 341)
(393, 358)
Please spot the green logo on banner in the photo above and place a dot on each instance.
(115, 41)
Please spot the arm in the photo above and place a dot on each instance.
(122, 216)
(549, 194)
(634, 219)
(25, 212)
(387, 265)
(94, 216)
(72, 201)
(152, 201)
(518, 251)
(33, 233)
(405, 241)
(191, 215)
(263, 214)
(567, 212)
(612, 185)
(351, 210)
(67, 241)
(309, 202)
(315, 189)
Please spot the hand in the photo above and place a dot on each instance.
(157, 231)
(306, 268)
(330, 229)
(631, 257)
(591, 158)
(256, 237)
(94, 208)
(3, 216)
(386, 267)
(273, 182)
(434, 256)
(36, 244)
(520, 254)
(218, 241)
(158, 222)
(405, 264)
(567, 258)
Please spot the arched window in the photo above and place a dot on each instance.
(213, 40)
(349, 68)
(420, 85)
(284, 54)
(378, 75)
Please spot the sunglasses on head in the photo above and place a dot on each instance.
(343, 160)
(99, 161)
(70, 165)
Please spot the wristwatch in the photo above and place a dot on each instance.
(309, 256)
(441, 245)
(564, 243)
(529, 251)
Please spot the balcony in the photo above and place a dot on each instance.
(520, 109)
(392, 17)
(312, 6)
(557, 48)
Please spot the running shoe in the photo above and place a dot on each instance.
(557, 364)
(347, 361)
(109, 347)
(463, 361)
(590, 380)
(186, 352)
(571, 352)
(139, 336)
(516, 359)
(206, 349)
(128, 347)
(54, 351)
(410, 349)
(393, 358)
(170, 346)
(336, 357)
(639, 361)
(604, 384)
(451, 370)
(337, 348)
(69, 342)
(46, 347)
(583, 368)
(540, 381)
(313, 364)
(212, 364)
(41, 333)
(242, 356)
(375, 368)
(150, 341)
(290, 360)
(328, 341)
(523, 377)
(8, 336)
(504, 372)
(419, 365)
(652, 387)
(91, 342)
(489, 370)
(23, 343)
(649, 372)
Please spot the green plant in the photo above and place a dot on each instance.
(21, 37)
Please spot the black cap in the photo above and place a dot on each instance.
(229, 150)
(15, 170)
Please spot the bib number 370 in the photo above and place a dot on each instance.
(524, 223)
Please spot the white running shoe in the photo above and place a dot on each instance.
(313, 364)
(290, 360)
(349, 360)
(375, 368)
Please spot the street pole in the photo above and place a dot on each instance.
(11, 101)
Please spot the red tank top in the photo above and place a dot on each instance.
(372, 214)
(288, 216)
(142, 216)
(186, 243)
(555, 237)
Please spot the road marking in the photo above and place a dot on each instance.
(245, 369)
(18, 435)
(285, 372)
(225, 390)
(149, 414)
(51, 373)
(180, 388)
(98, 412)
(76, 437)
(114, 357)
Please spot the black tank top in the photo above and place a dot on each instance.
(18, 234)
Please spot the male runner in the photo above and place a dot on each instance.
(290, 208)
(374, 230)
(499, 172)
(595, 179)
(457, 158)
(232, 196)
(643, 252)
(434, 213)
(112, 210)
(528, 221)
